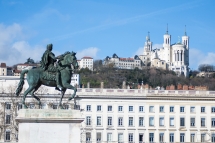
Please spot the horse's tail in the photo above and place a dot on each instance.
(21, 82)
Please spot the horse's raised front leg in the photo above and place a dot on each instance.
(30, 88)
(62, 95)
(68, 86)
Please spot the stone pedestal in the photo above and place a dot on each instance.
(49, 126)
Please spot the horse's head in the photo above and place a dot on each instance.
(70, 58)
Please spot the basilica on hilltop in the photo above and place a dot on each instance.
(173, 57)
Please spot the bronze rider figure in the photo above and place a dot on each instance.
(47, 64)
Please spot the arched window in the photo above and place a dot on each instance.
(168, 40)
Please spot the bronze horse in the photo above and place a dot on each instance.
(35, 79)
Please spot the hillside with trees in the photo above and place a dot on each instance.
(113, 77)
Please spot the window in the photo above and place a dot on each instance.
(109, 137)
(8, 119)
(7, 137)
(171, 121)
(171, 109)
(203, 122)
(181, 137)
(88, 107)
(141, 108)
(151, 137)
(171, 137)
(213, 109)
(8, 106)
(109, 108)
(192, 138)
(161, 108)
(130, 137)
(182, 122)
(161, 137)
(161, 121)
(192, 109)
(120, 108)
(19, 106)
(54, 106)
(181, 109)
(141, 121)
(120, 121)
(98, 137)
(130, 121)
(88, 137)
(151, 108)
(109, 121)
(151, 121)
(88, 120)
(130, 108)
(202, 109)
(42, 106)
(213, 138)
(192, 122)
(120, 138)
(99, 120)
(213, 122)
(203, 138)
(99, 108)
(141, 137)
(66, 106)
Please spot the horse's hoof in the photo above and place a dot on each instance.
(61, 107)
(70, 98)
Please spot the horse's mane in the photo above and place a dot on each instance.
(67, 53)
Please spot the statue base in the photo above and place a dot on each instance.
(49, 126)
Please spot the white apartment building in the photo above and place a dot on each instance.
(123, 63)
(75, 81)
(86, 62)
(126, 115)
(21, 67)
(4, 70)
(137, 116)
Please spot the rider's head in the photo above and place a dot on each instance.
(49, 47)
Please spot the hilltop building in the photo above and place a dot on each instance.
(86, 62)
(173, 57)
(123, 63)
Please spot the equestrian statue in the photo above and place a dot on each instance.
(53, 72)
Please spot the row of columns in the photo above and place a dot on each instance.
(179, 55)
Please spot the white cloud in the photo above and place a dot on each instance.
(13, 47)
(91, 52)
(139, 51)
(197, 57)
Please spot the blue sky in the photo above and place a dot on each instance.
(101, 28)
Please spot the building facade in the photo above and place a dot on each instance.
(122, 63)
(86, 62)
(128, 115)
(119, 115)
(5, 70)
